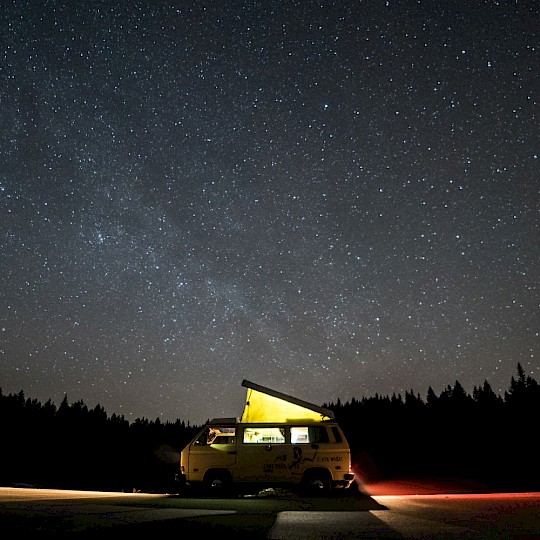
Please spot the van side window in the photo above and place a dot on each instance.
(221, 435)
(216, 435)
(300, 435)
(318, 435)
(337, 434)
(264, 435)
(223, 439)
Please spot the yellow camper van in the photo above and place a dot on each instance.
(279, 440)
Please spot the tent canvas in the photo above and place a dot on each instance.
(267, 405)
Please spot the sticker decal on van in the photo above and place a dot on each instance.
(298, 459)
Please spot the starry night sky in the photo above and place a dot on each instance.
(333, 199)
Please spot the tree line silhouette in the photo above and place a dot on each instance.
(483, 436)
(74, 447)
(486, 437)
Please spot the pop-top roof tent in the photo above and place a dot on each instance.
(267, 405)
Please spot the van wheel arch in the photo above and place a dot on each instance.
(218, 480)
(317, 481)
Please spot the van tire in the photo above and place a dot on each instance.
(316, 482)
(218, 482)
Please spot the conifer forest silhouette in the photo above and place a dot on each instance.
(485, 436)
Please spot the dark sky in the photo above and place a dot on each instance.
(333, 199)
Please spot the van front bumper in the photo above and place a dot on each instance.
(180, 479)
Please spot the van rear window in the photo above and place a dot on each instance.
(337, 434)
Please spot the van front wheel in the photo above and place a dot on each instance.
(218, 482)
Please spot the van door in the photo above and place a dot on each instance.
(214, 448)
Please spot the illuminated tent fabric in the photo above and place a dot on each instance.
(266, 405)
